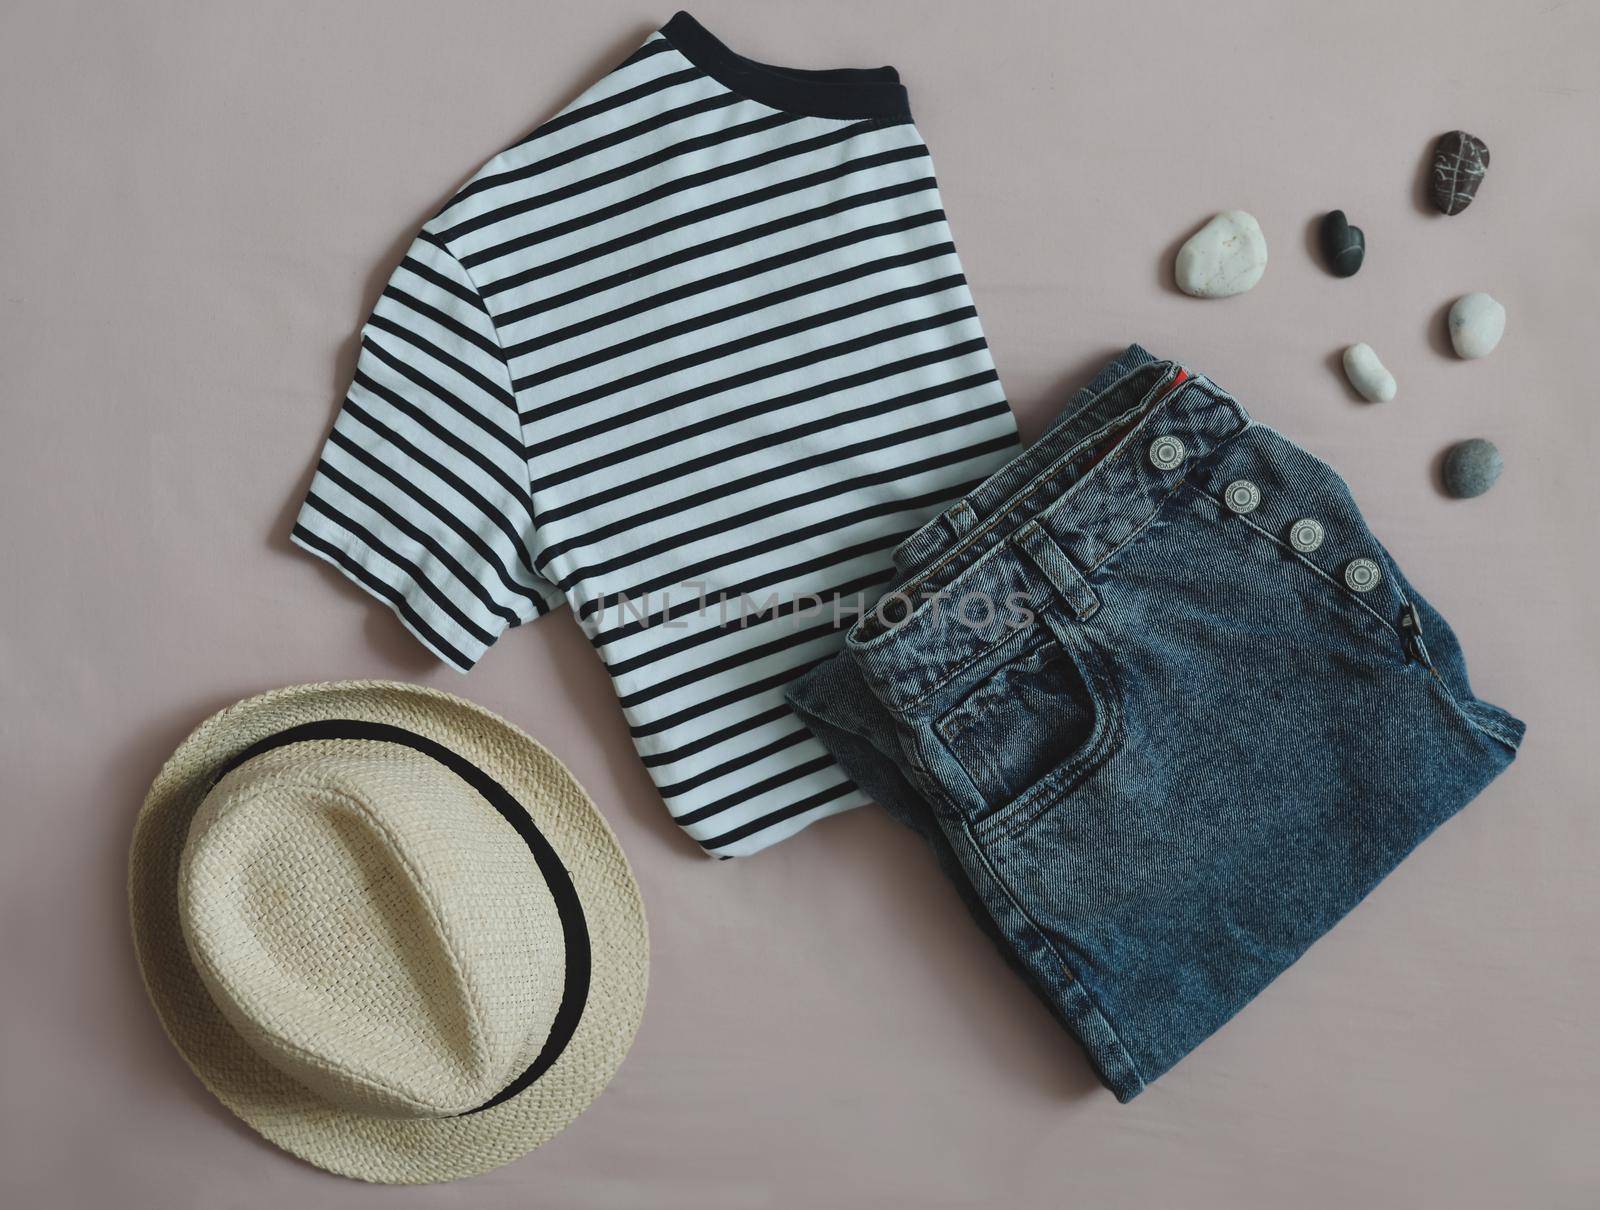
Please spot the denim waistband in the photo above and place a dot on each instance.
(1067, 503)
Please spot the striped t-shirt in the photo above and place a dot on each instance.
(691, 358)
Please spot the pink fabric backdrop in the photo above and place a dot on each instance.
(200, 202)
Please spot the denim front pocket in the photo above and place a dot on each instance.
(1029, 728)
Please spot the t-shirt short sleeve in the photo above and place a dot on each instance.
(422, 495)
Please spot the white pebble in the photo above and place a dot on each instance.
(1226, 256)
(1367, 375)
(1477, 322)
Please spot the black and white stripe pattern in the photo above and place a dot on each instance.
(692, 364)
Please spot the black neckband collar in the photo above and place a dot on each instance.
(841, 92)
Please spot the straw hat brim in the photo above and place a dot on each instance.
(389, 1150)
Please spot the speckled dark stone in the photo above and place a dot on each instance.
(1344, 246)
(1471, 468)
(1459, 162)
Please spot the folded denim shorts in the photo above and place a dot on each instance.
(1164, 707)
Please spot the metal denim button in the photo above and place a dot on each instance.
(1166, 453)
(1242, 496)
(1306, 535)
(1362, 575)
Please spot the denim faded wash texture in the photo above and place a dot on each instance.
(1204, 748)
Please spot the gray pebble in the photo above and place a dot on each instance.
(1471, 468)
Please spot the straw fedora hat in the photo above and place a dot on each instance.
(386, 928)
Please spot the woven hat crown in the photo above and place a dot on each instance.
(372, 927)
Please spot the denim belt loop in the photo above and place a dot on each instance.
(936, 536)
(1059, 569)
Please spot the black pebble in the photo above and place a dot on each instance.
(1342, 244)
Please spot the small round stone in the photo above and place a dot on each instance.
(1362, 575)
(1306, 535)
(1242, 496)
(1471, 468)
(1227, 256)
(1166, 453)
(1477, 322)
